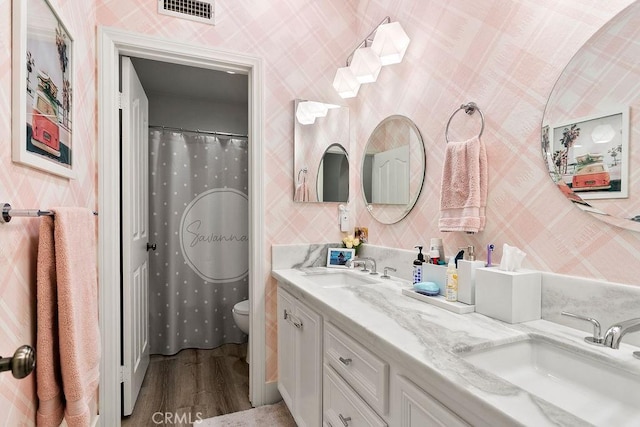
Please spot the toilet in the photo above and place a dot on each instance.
(241, 315)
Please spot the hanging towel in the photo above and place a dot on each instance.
(463, 195)
(48, 377)
(302, 192)
(67, 274)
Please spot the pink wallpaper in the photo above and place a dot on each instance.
(505, 56)
(24, 187)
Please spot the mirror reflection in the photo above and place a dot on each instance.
(333, 175)
(590, 134)
(393, 169)
(321, 143)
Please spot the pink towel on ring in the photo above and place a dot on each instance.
(463, 196)
(68, 330)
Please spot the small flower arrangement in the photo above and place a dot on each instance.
(351, 242)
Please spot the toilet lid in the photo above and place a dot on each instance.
(242, 307)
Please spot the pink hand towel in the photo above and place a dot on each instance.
(463, 196)
(48, 376)
(77, 317)
(302, 192)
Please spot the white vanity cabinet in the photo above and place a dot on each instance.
(416, 408)
(300, 359)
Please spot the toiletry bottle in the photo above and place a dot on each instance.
(436, 245)
(434, 257)
(451, 292)
(417, 266)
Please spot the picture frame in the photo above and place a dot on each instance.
(338, 257)
(42, 88)
(591, 155)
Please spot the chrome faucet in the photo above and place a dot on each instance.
(614, 334)
(357, 262)
(373, 264)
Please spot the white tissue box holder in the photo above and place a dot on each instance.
(510, 296)
(467, 280)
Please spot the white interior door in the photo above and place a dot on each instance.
(390, 176)
(135, 234)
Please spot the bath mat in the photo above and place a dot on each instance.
(270, 415)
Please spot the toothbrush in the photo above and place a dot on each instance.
(490, 248)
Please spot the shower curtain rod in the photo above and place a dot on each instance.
(208, 132)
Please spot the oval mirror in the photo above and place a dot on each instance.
(591, 149)
(332, 182)
(393, 169)
(321, 131)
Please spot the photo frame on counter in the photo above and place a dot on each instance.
(42, 83)
(338, 257)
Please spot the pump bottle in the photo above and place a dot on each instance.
(451, 291)
(417, 266)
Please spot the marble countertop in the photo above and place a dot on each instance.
(432, 340)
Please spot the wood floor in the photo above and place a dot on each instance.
(192, 385)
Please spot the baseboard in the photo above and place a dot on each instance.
(271, 393)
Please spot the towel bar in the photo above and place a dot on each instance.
(469, 108)
(8, 213)
(22, 362)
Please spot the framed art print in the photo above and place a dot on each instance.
(591, 155)
(338, 257)
(42, 79)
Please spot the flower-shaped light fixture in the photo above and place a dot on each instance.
(385, 45)
(365, 65)
(308, 111)
(390, 43)
(345, 83)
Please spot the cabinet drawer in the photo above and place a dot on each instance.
(364, 371)
(343, 407)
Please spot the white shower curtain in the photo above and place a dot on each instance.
(199, 221)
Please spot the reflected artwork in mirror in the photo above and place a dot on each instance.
(321, 145)
(591, 127)
(393, 169)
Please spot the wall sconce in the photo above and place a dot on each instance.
(385, 45)
(308, 111)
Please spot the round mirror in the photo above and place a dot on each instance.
(332, 182)
(589, 144)
(393, 169)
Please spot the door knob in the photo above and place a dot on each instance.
(22, 362)
(151, 246)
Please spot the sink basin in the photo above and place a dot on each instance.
(584, 386)
(339, 279)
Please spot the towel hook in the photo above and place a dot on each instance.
(469, 108)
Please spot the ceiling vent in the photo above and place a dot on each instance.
(195, 10)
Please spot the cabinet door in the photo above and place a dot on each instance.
(286, 349)
(308, 365)
(419, 409)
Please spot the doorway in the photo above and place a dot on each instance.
(113, 44)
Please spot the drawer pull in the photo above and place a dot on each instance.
(345, 421)
(292, 319)
(346, 362)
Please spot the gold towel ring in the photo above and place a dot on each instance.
(469, 108)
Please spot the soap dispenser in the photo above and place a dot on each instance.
(417, 266)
